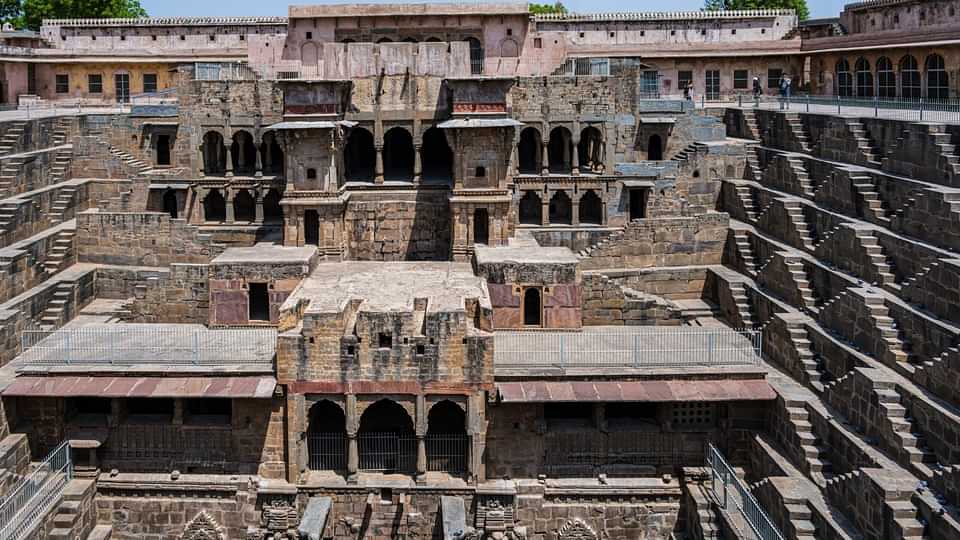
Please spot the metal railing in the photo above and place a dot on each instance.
(387, 452)
(327, 451)
(134, 344)
(733, 496)
(26, 505)
(162, 447)
(446, 452)
(224, 71)
(628, 347)
(918, 109)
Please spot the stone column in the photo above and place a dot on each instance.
(177, 412)
(258, 166)
(228, 196)
(575, 161)
(229, 163)
(378, 171)
(575, 211)
(241, 155)
(545, 209)
(417, 163)
(258, 216)
(545, 158)
(421, 433)
(353, 449)
(203, 169)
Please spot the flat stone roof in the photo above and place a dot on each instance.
(525, 255)
(424, 9)
(389, 286)
(266, 254)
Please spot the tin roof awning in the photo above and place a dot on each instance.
(462, 123)
(657, 120)
(169, 186)
(654, 390)
(303, 124)
(638, 183)
(151, 387)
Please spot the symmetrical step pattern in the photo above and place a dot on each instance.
(55, 315)
(798, 131)
(742, 240)
(11, 137)
(814, 451)
(59, 253)
(65, 201)
(873, 204)
(864, 143)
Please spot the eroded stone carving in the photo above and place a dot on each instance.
(203, 527)
(576, 529)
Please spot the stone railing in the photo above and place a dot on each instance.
(663, 15)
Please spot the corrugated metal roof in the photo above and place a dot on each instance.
(156, 387)
(658, 390)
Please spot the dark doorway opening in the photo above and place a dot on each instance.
(591, 208)
(481, 226)
(214, 207)
(259, 301)
(398, 155)
(437, 157)
(530, 151)
(561, 209)
(170, 205)
(638, 203)
(163, 150)
(531, 209)
(532, 311)
(655, 148)
(244, 207)
(243, 153)
(327, 437)
(311, 228)
(359, 156)
(560, 151)
(272, 211)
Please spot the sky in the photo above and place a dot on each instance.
(221, 8)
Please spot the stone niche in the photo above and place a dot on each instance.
(531, 286)
(248, 285)
(313, 99)
(474, 96)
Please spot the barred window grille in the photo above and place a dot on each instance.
(327, 451)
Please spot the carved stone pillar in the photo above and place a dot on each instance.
(575, 161)
(421, 433)
(545, 209)
(258, 216)
(229, 163)
(258, 171)
(228, 197)
(353, 449)
(378, 171)
(417, 164)
(545, 158)
(202, 161)
(575, 212)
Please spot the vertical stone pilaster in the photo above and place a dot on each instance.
(378, 171)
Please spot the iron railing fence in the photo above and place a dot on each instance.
(387, 452)
(919, 109)
(160, 447)
(446, 452)
(134, 344)
(327, 451)
(590, 452)
(733, 495)
(24, 507)
(635, 347)
(224, 71)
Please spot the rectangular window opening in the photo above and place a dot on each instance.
(259, 299)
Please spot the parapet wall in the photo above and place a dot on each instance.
(141, 239)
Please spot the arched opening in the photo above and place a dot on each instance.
(561, 209)
(655, 148)
(163, 149)
(243, 153)
(359, 156)
(481, 226)
(509, 49)
(384, 40)
(308, 55)
(886, 78)
(170, 204)
(529, 151)
(590, 150)
(446, 440)
(938, 81)
(271, 154)
(436, 157)
(532, 310)
(560, 150)
(214, 206)
(214, 154)
(244, 207)
(844, 79)
(864, 78)
(272, 211)
(327, 437)
(311, 228)
(531, 209)
(386, 439)
(434, 39)
(909, 78)
(398, 155)
(591, 208)
(409, 40)
(476, 55)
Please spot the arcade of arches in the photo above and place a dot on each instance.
(585, 207)
(561, 153)
(387, 439)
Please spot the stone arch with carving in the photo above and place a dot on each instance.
(407, 402)
(203, 527)
(576, 529)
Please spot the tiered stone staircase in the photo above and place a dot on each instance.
(60, 251)
(873, 204)
(65, 201)
(54, 316)
(864, 143)
(742, 240)
(11, 137)
(807, 187)
(798, 131)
